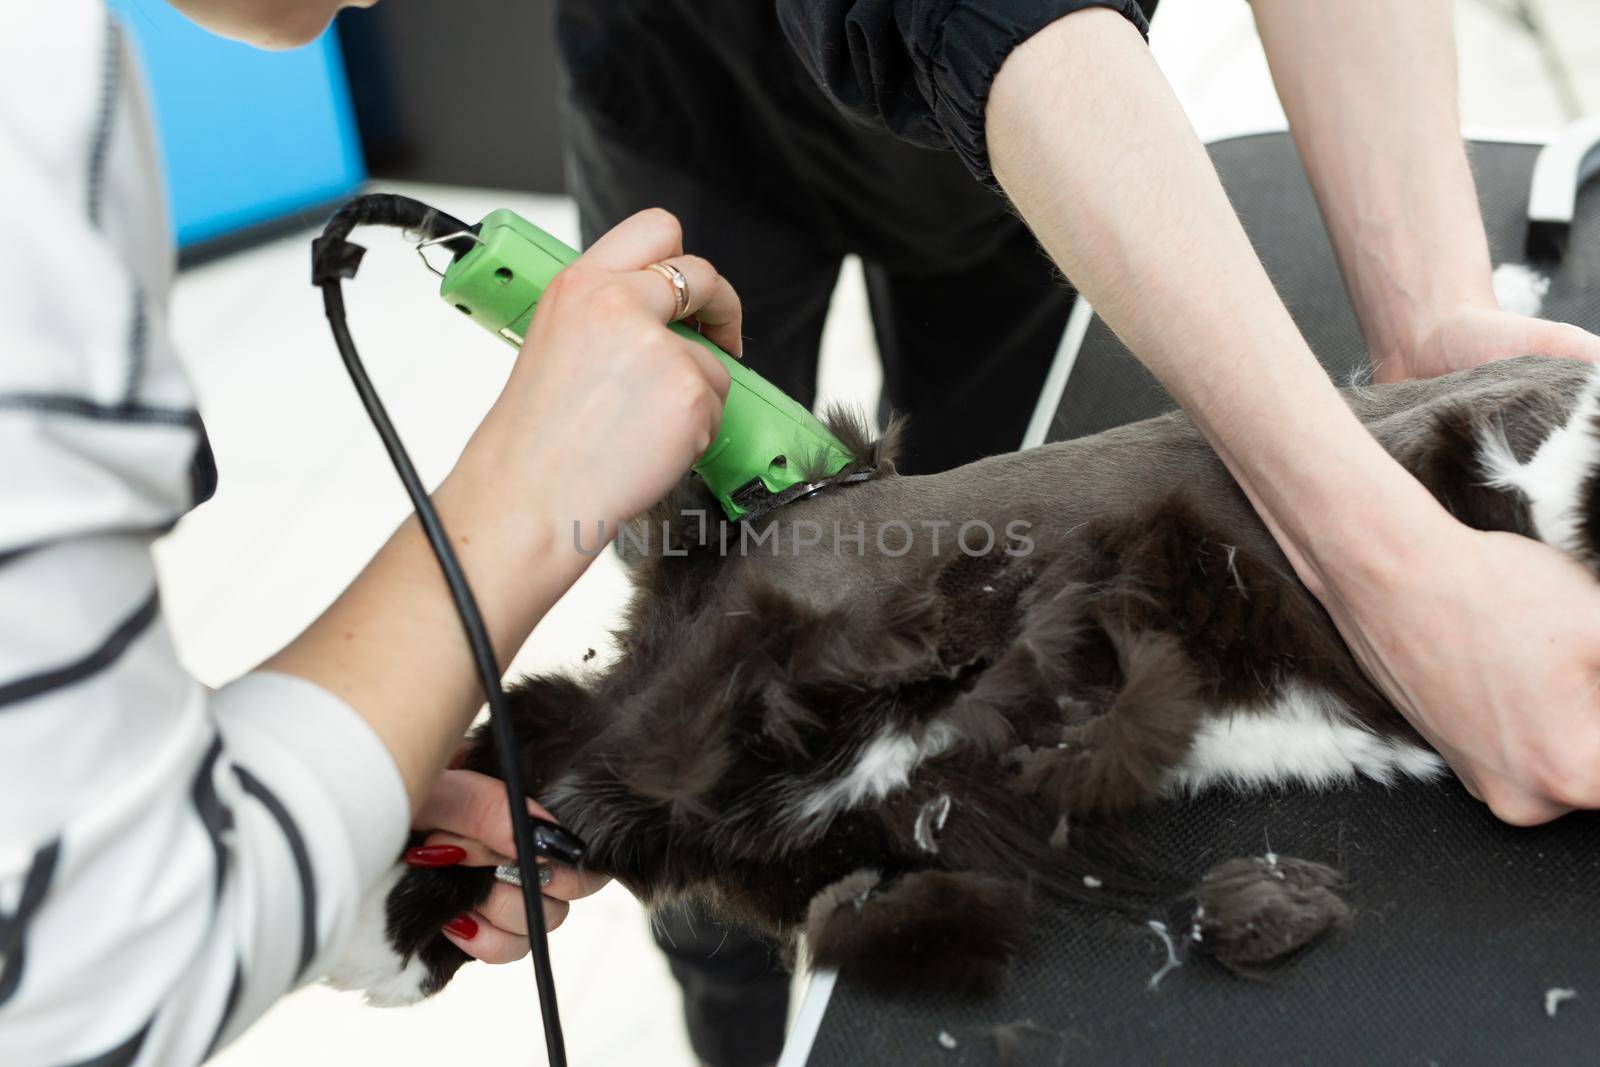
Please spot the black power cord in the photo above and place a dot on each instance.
(333, 258)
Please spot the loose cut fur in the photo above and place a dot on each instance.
(1259, 910)
(892, 754)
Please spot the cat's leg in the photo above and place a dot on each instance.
(554, 718)
(922, 930)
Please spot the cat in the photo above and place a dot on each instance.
(837, 726)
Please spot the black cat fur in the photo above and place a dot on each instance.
(1055, 692)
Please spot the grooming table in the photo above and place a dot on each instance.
(1466, 931)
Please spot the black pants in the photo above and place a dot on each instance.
(775, 188)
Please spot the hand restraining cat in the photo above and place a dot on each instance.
(887, 716)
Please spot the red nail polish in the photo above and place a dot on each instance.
(435, 855)
(463, 926)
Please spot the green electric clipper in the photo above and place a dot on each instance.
(768, 443)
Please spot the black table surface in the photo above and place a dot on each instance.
(1463, 927)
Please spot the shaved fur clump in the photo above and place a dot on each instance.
(1257, 911)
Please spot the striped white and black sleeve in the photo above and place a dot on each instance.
(171, 860)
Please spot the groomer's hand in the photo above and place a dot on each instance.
(604, 410)
(468, 824)
(1464, 336)
(607, 408)
(1489, 643)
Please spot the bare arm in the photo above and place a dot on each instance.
(1370, 90)
(1093, 148)
(1130, 207)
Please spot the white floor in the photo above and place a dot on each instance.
(307, 495)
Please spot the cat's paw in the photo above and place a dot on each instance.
(396, 955)
(370, 962)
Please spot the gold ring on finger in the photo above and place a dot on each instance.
(680, 287)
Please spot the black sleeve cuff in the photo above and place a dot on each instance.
(923, 68)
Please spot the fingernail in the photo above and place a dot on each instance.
(546, 876)
(463, 926)
(435, 855)
(556, 842)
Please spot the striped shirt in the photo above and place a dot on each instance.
(171, 861)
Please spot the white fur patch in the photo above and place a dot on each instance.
(930, 820)
(1519, 289)
(883, 766)
(369, 963)
(1306, 737)
(1553, 477)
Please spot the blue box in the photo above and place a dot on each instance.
(250, 138)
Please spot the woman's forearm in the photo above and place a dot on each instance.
(392, 646)
(1370, 90)
(1095, 151)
